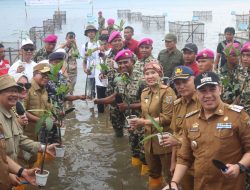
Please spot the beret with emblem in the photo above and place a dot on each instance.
(205, 54)
(113, 35)
(50, 39)
(123, 54)
(206, 78)
(145, 41)
(43, 68)
(245, 48)
(182, 72)
(7, 81)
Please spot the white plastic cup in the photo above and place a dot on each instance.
(104, 82)
(62, 129)
(41, 179)
(60, 151)
(160, 136)
(90, 104)
(129, 118)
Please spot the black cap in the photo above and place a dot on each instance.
(191, 47)
(206, 78)
(56, 56)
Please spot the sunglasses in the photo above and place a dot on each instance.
(26, 85)
(28, 49)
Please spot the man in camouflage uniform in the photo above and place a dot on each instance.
(145, 50)
(43, 53)
(101, 21)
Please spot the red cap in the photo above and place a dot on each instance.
(245, 48)
(145, 41)
(235, 46)
(123, 54)
(113, 35)
(205, 54)
(50, 39)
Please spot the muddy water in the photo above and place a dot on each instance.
(94, 159)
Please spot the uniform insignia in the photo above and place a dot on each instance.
(236, 108)
(220, 111)
(177, 101)
(178, 71)
(225, 118)
(194, 144)
(191, 113)
(195, 127)
(204, 55)
(169, 99)
(224, 125)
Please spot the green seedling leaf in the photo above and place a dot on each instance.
(155, 124)
(147, 138)
(39, 124)
(49, 123)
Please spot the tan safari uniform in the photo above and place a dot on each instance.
(224, 136)
(156, 105)
(181, 108)
(37, 98)
(4, 174)
(14, 135)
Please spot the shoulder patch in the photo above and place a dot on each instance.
(145, 89)
(191, 113)
(235, 108)
(177, 101)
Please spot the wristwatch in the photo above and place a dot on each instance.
(20, 171)
(242, 167)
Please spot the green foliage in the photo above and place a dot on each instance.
(103, 67)
(45, 121)
(62, 90)
(54, 70)
(229, 49)
(120, 25)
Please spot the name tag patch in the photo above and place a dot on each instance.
(224, 125)
(1, 136)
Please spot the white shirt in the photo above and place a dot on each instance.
(28, 68)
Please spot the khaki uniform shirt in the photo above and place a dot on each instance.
(37, 98)
(224, 136)
(4, 174)
(14, 137)
(40, 55)
(160, 105)
(169, 60)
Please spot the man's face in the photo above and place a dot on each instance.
(145, 50)
(229, 36)
(100, 14)
(185, 87)
(209, 96)
(70, 39)
(233, 59)
(41, 79)
(117, 44)
(128, 34)
(2, 53)
(104, 44)
(27, 52)
(245, 59)
(170, 45)
(91, 34)
(188, 56)
(50, 47)
(125, 65)
(9, 97)
(205, 65)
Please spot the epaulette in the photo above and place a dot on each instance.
(164, 86)
(191, 113)
(235, 108)
(177, 101)
(145, 89)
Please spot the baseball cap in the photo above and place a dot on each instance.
(206, 78)
(26, 42)
(170, 37)
(191, 47)
(42, 67)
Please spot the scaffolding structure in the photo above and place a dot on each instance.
(156, 21)
(241, 37)
(242, 22)
(37, 34)
(124, 14)
(188, 31)
(203, 15)
(49, 26)
(60, 17)
(135, 17)
(12, 51)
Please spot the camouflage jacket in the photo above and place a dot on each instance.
(71, 63)
(40, 55)
(245, 93)
(139, 64)
(130, 89)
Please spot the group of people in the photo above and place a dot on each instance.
(182, 110)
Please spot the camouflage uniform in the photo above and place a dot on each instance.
(139, 64)
(130, 91)
(71, 66)
(42, 54)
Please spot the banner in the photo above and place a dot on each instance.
(54, 2)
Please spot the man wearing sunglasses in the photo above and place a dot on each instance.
(43, 53)
(25, 64)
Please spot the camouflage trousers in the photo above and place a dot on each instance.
(248, 180)
(117, 119)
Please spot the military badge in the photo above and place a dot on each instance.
(225, 118)
(204, 54)
(178, 71)
(194, 144)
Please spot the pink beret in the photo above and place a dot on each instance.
(123, 54)
(145, 41)
(205, 54)
(245, 48)
(50, 39)
(113, 35)
(111, 21)
(235, 46)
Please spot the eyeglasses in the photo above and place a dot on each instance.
(28, 49)
(44, 75)
(25, 85)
